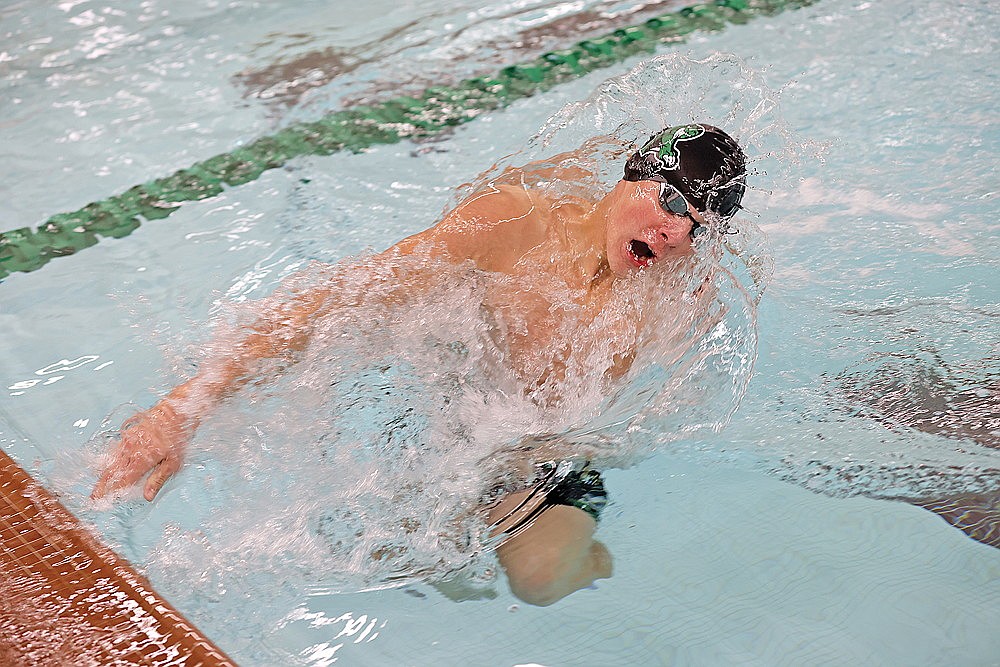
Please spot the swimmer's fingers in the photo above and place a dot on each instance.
(129, 462)
(101, 487)
(164, 471)
(148, 440)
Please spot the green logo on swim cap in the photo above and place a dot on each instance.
(664, 145)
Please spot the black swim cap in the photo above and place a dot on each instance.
(705, 164)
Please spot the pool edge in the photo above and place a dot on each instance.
(65, 595)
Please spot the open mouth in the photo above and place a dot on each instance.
(642, 253)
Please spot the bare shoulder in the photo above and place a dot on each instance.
(493, 205)
(501, 221)
(493, 227)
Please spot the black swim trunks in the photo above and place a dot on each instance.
(583, 488)
(556, 483)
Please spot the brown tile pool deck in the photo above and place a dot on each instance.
(66, 599)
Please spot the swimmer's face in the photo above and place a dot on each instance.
(639, 232)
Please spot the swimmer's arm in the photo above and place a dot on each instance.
(492, 228)
(155, 439)
(283, 328)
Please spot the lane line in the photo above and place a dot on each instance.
(439, 107)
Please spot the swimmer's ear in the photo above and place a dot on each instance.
(698, 230)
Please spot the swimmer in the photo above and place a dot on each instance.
(672, 186)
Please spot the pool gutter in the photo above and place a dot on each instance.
(67, 599)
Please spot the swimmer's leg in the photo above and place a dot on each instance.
(554, 556)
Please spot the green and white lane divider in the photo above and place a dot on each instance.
(357, 128)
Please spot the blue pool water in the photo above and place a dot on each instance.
(774, 541)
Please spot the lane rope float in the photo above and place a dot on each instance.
(357, 128)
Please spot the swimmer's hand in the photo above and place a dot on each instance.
(155, 440)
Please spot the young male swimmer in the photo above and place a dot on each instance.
(681, 175)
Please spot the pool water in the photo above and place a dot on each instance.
(773, 541)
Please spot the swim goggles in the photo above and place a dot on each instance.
(724, 203)
(672, 201)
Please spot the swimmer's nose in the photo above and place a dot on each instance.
(672, 235)
(668, 237)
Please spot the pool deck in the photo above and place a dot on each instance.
(65, 598)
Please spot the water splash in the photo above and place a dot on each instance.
(367, 462)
